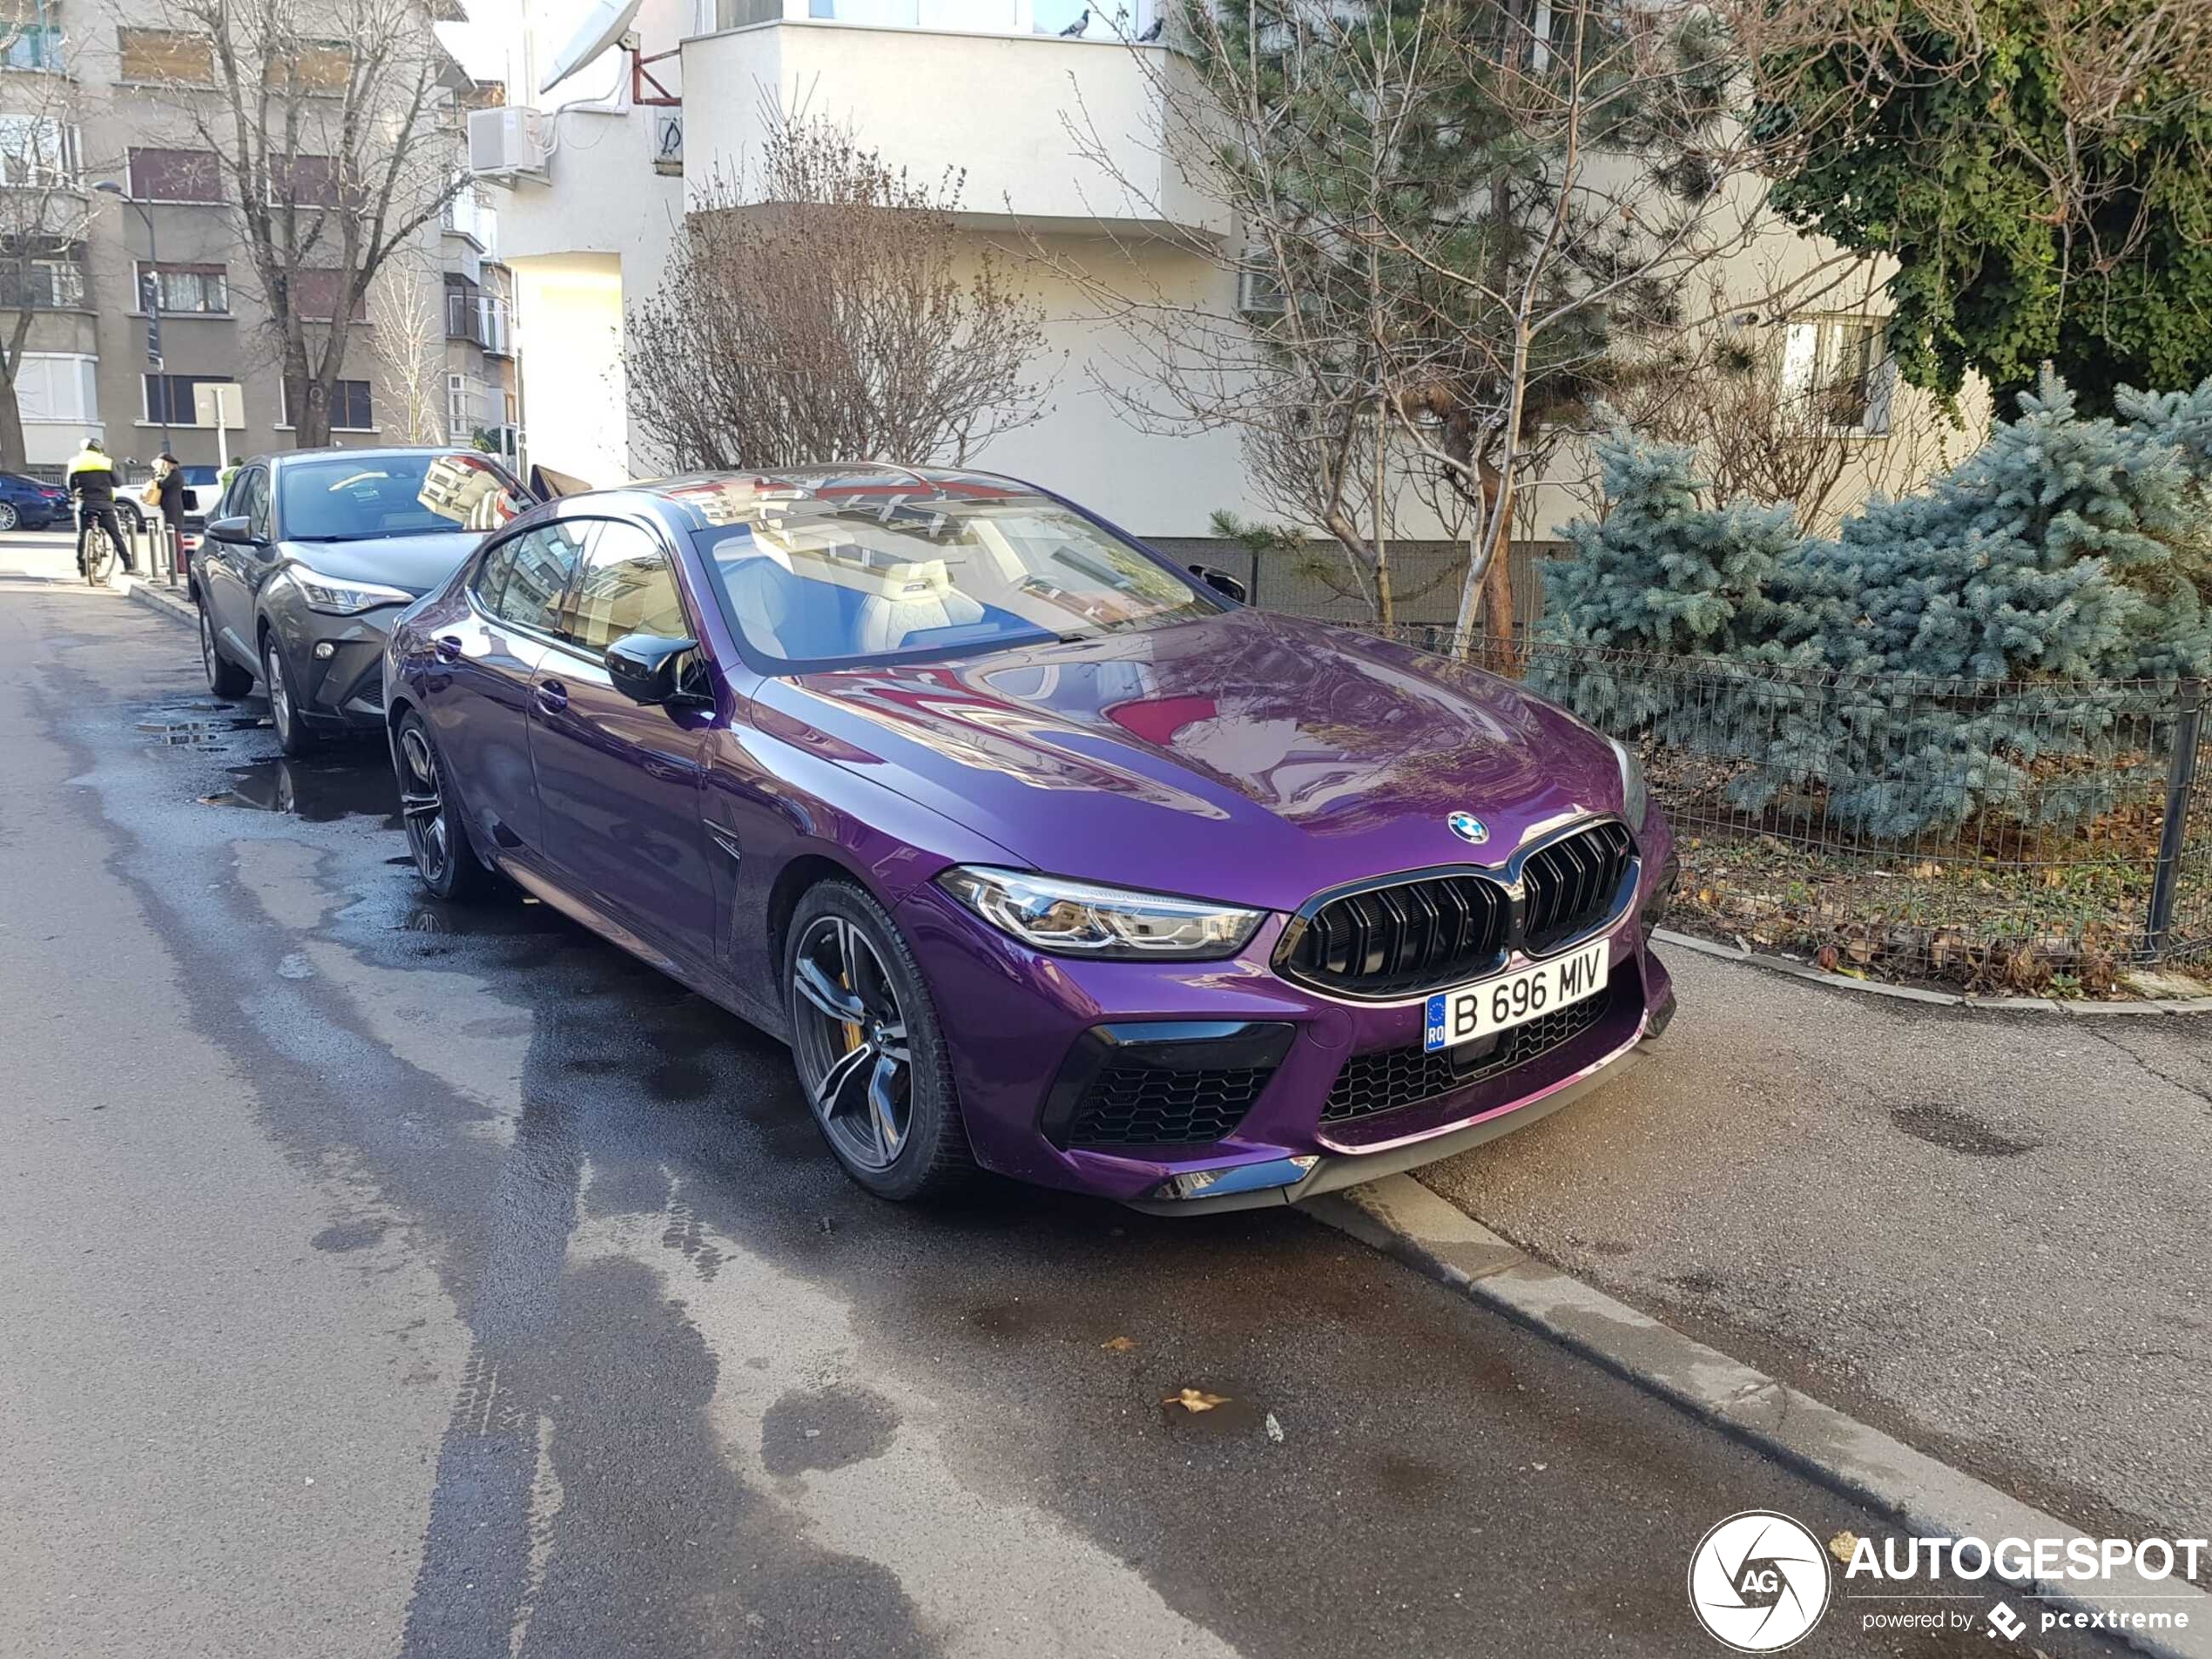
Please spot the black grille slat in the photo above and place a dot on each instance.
(1408, 936)
(1572, 882)
(1384, 1081)
(1146, 1106)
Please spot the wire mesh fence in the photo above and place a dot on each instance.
(2023, 834)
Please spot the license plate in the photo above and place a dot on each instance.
(1490, 1006)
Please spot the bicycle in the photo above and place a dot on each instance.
(96, 550)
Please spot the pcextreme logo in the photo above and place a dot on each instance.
(1758, 1581)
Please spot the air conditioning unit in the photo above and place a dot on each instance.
(506, 141)
(1259, 294)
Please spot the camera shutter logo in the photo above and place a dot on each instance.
(1758, 1581)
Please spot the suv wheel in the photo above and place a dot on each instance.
(284, 708)
(224, 677)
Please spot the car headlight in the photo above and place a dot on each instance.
(1079, 918)
(333, 597)
(1635, 799)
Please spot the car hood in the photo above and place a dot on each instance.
(417, 563)
(1247, 757)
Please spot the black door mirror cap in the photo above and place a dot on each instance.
(1221, 582)
(648, 668)
(237, 529)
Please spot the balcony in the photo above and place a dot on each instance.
(965, 84)
(480, 318)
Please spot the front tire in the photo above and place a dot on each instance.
(444, 856)
(292, 728)
(225, 678)
(871, 1056)
(9, 518)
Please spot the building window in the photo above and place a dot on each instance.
(1837, 372)
(464, 402)
(350, 409)
(183, 289)
(303, 181)
(176, 176)
(60, 386)
(169, 397)
(314, 66)
(32, 46)
(38, 151)
(166, 57)
(314, 296)
(40, 274)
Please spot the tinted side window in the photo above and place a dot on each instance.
(627, 588)
(254, 499)
(490, 580)
(544, 560)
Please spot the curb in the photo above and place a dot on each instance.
(1402, 1218)
(1945, 999)
(169, 601)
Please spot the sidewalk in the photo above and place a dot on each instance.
(1983, 1232)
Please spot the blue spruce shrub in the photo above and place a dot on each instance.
(1907, 673)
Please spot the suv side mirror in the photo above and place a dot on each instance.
(1221, 581)
(237, 530)
(648, 669)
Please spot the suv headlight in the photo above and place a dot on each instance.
(1635, 799)
(333, 597)
(1078, 919)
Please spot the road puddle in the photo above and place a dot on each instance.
(316, 792)
(211, 729)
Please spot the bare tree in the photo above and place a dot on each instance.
(328, 124)
(1466, 220)
(829, 307)
(404, 305)
(44, 216)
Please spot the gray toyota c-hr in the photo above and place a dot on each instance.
(310, 556)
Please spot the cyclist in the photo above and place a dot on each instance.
(92, 480)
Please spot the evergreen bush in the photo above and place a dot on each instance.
(1948, 654)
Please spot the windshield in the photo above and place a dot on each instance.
(344, 499)
(814, 583)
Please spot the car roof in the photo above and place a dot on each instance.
(284, 457)
(709, 499)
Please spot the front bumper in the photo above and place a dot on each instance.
(337, 664)
(1027, 1032)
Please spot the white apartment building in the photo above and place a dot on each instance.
(598, 182)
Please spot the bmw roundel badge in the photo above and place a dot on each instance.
(1468, 827)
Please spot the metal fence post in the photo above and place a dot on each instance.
(2181, 779)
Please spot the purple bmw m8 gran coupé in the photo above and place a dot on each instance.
(1045, 856)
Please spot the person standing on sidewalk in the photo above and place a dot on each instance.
(169, 477)
(92, 480)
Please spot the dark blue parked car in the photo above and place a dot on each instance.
(27, 504)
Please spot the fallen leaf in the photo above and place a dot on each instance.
(1118, 1345)
(1926, 870)
(1842, 1545)
(1191, 1399)
(1828, 957)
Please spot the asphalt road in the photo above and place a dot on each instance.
(381, 1279)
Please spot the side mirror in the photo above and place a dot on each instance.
(1221, 581)
(236, 530)
(648, 668)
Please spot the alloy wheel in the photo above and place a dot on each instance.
(207, 644)
(9, 516)
(850, 1041)
(422, 804)
(280, 695)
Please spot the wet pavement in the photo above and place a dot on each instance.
(387, 1277)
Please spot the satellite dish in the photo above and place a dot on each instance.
(609, 22)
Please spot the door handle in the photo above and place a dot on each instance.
(447, 647)
(552, 696)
